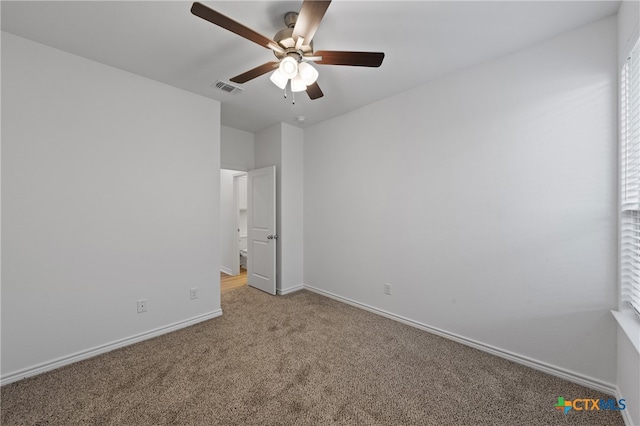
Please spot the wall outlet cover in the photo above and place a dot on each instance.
(387, 289)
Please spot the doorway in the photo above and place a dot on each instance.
(233, 232)
(248, 226)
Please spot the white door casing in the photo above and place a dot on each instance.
(261, 229)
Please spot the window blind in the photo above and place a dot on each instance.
(630, 180)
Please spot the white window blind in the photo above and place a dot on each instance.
(630, 180)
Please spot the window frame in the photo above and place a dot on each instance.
(629, 175)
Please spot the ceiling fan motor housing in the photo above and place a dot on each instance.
(285, 40)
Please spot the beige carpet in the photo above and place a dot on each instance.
(300, 359)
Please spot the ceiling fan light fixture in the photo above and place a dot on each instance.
(279, 79)
(297, 85)
(288, 67)
(307, 73)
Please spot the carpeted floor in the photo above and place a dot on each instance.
(300, 359)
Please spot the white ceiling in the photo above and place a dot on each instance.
(422, 40)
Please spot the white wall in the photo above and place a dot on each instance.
(628, 28)
(628, 375)
(237, 149)
(628, 378)
(110, 194)
(282, 145)
(291, 207)
(487, 199)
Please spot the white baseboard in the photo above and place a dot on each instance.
(89, 353)
(290, 289)
(562, 373)
(226, 270)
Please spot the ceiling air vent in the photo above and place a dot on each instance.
(226, 87)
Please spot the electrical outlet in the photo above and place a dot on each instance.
(387, 289)
(194, 293)
(142, 306)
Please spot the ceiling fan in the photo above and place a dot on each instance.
(293, 47)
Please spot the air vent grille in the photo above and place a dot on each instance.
(226, 87)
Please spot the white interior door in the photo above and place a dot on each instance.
(261, 229)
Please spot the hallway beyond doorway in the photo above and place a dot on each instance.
(229, 282)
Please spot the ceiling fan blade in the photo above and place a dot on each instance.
(354, 59)
(220, 20)
(314, 91)
(309, 18)
(256, 72)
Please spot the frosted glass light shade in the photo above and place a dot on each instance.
(288, 67)
(308, 73)
(279, 79)
(297, 85)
